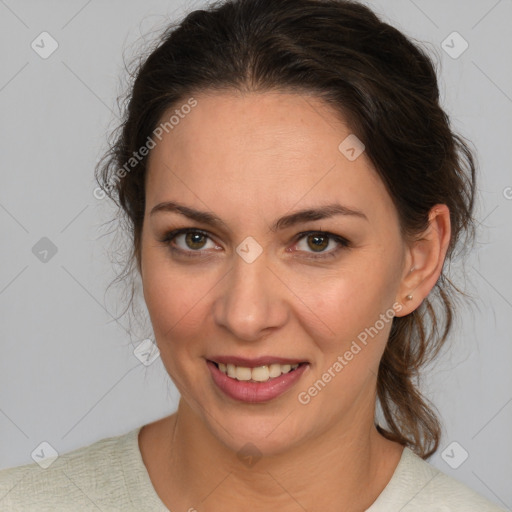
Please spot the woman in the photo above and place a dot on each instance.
(293, 191)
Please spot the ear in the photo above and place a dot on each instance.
(424, 260)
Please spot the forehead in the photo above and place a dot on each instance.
(256, 151)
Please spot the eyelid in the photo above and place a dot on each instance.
(170, 236)
(342, 242)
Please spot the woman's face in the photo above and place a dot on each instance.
(254, 288)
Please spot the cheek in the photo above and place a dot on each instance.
(356, 306)
(175, 303)
(353, 304)
(174, 297)
(178, 315)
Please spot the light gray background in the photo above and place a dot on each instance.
(68, 374)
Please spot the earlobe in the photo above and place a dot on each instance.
(426, 256)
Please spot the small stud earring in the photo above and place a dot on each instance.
(411, 269)
(409, 297)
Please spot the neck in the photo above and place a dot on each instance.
(345, 468)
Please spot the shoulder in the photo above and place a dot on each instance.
(103, 475)
(416, 486)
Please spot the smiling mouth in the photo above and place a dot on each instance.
(258, 373)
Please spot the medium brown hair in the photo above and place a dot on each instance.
(381, 83)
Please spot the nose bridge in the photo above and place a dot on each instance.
(249, 302)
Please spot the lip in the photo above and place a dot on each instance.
(255, 392)
(255, 362)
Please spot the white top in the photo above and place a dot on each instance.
(110, 475)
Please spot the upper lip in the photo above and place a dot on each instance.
(254, 362)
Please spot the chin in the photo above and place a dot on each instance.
(269, 431)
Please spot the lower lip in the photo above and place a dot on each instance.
(255, 392)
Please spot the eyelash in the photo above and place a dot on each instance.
(171, 235)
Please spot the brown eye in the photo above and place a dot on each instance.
(195, 240)
(318, 241)
(188, 242)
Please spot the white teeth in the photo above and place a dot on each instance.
(231, 371)
(243, 373)
(258, 374)
(275, 370)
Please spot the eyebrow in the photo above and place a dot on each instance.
(310, 214)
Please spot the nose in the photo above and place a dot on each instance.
(251, 301)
